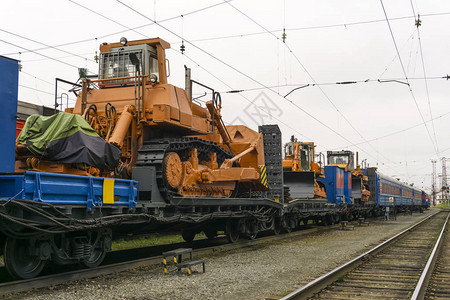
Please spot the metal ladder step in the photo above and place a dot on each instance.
(189, 264)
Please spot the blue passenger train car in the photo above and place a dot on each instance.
(387, 191)
(407, 195)
(417, 200)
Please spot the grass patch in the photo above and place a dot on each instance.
(150, 240)
(2, 261)
(341, 278)
(443, 205)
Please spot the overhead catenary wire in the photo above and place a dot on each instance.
(282, 93)
(344, 25)
(242, 73)
(395, 56)
(73, 54)
(418, 23)
(105, 17)
(172, 49)
(58, 57)
(310, 76)
(119, 32)
(232, 36)
(35, 89)
(302, 85)
(292, 84)
(244, 97)
(35, 77)
(406, 77)
(197, 63)
(35, 52)
(46, 45)
(397, 132)
(42, 91)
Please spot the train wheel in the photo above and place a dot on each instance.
(19, 262)
(338, 218)
(252, 236)
(293, 223)
(188, 235)
(286, 224)
(232, 230)
(276, 226)
(95, 259)
(328, 220)
(2, 243)
(210, 233)
(253, 231)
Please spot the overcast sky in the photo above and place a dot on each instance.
(238, 46)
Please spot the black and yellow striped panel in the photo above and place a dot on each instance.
(263, 176)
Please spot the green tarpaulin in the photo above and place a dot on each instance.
(67, 138)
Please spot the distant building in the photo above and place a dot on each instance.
(25, 109)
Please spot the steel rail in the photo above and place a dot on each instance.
(323, 281)
(61, 278)
(422, 284)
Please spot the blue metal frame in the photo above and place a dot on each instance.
(334, 194)
(64, 189)
(348, 193)
(9, 83)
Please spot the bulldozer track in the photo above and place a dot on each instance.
(391, 270)
(152, 153)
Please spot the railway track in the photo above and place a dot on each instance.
(391, 270)
(117, 263)
(434, 281)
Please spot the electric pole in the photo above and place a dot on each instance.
(444, 180)
(433, 182)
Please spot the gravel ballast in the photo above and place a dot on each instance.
(271, 269)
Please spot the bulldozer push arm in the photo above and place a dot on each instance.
(214, 109)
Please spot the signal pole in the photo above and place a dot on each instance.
(433, 182)
(444, 180)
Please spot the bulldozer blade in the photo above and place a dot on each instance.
(301, 184)
(356, 187)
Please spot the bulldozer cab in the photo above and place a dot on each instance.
(128, 60)
(300, 171)
(343, 159)
(306, 153)
(298, 155)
